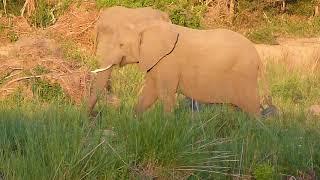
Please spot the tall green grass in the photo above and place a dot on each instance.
(57, 140)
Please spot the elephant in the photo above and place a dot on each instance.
(209, 66)
(116, 18)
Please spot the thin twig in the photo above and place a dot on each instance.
(5, 6)
(92, 151)
(11, 75)
(117, 154)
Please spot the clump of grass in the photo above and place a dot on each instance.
(42, 16)
(47, 91)
(293, 86)
(12, 36)
(302, 7)
(72, 149)
(73, 53)
(263, 172)
(262, 36)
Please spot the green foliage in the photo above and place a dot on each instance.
(13, 37)
(42, 16)
(40, 70)
(59, 141)
(262, 36)
(47, 91)
(263, 172)
(183, 12)
(301, 7)
(44, 11)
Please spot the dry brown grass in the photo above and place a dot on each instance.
(21, 60)
(39, 48)
(296, 54)
(14, 26)
(77, 25)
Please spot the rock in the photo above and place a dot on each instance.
(314, 110)
(269, 111)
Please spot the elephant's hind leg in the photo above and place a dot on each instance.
(98, 85)
(148, 95)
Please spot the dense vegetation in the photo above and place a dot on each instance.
(57, 140)
(260, 20)
(49, 138)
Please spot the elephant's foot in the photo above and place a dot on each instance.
(269, 111)
(113, 100)
(194, 105)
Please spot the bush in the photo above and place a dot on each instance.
(182, 12)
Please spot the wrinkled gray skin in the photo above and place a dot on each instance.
(114, 21)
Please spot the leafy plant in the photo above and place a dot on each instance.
(47, 91)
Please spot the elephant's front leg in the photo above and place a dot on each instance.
(98, 86)
(148, 95)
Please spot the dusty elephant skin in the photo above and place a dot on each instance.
(210, 66)
(114, 19)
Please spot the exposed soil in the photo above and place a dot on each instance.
(36, 57)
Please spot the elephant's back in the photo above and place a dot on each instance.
(119, 15)
(225, 47)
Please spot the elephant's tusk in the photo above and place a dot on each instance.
(101, 69)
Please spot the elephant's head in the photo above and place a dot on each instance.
(145, 45)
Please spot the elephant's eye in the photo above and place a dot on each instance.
(121, 44)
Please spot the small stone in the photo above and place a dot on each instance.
(314, 110)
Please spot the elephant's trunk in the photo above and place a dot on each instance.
(98, 85)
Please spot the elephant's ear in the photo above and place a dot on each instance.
(156, 42)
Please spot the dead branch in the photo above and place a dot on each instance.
(12, 75)
(22, 78)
